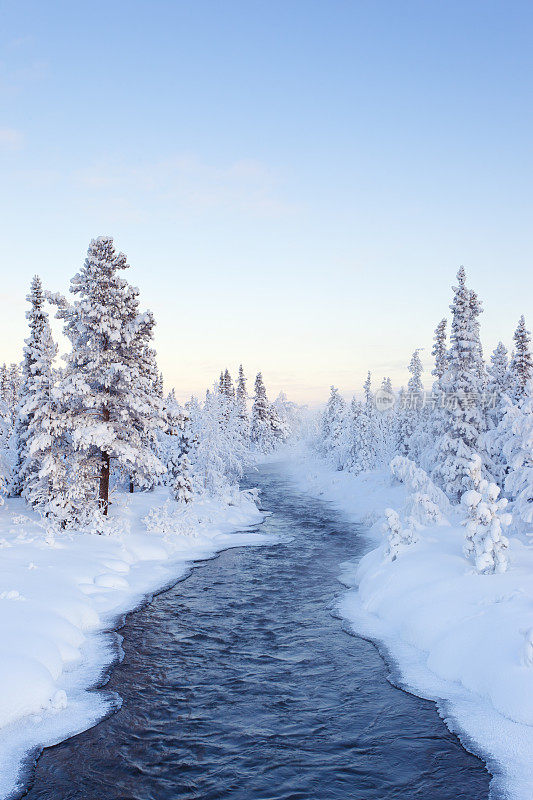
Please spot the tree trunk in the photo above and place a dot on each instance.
(131, 485)
(103, 495)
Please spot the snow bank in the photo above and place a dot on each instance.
(60, 594)
(456, 637)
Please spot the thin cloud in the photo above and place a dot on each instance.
(11, 139)
(187, 183)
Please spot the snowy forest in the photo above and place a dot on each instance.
(110, 487)
(76, 429)
(466, 437)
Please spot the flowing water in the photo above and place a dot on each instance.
(240, 683)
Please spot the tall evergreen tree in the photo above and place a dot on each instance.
(36, 391)
(111, 407)
(461, 382)
(439, 351)
(415, 387)
(261, 431)
(522, 361)
(241, 399)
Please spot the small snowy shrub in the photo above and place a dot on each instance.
(422, 510)
(418, 482)
(398, 536)
(485, 542)
(166, 521)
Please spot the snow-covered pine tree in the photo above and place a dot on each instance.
(485, 542)
(179, 477)
(261, 429)
(365, 432)
(242, 408)
(516, 433)
(210, 434)
(415, 387)
(409, 409)
(149, 381)
(522, 360)
(386, 386)
(110, 406)
(367, 389)
(499, 379)
(278, 424)
(3, 382)
(333, 428)
(462, 385)
(418, 415)
(35, 409)
(476, 308)
(387, 426)
(227, 387)
(287, 413)
(498, 391)
(43, 466)
(12, 389)
(439, 351)
(158, 387)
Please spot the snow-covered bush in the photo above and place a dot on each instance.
(398, 537)
(517, 429)
(167, 520)
(421, 510)
(485, 542)
(418, 482)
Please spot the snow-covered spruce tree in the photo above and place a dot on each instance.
(485, 542)
(499, 391)
(37, 411)
(179, 477)
(287, 413)
(111, 409)
(414, 385)
(436, 417)
(409, 408)
(278, 425)
(214, 467)
(226, 384)
(522, 360)
(499, 383)
(158, 383)
(516, 432)
(333, 428)
(241, 402)
(261, 428)
(365, 433)
(476, 308)
(440, 351)
(388, 427)
(3, 382)
(464, 417)
(10, 388)
(149, 381)
(32, 363)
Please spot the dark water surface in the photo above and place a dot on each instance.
(240, 683)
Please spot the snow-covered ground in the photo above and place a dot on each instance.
(60, 596)
(456, 637)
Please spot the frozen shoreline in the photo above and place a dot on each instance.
(60, 604)
(454, 637)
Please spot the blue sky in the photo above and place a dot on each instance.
(295, 183)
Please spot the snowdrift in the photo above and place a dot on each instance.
(453, 636)
(61, 596)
